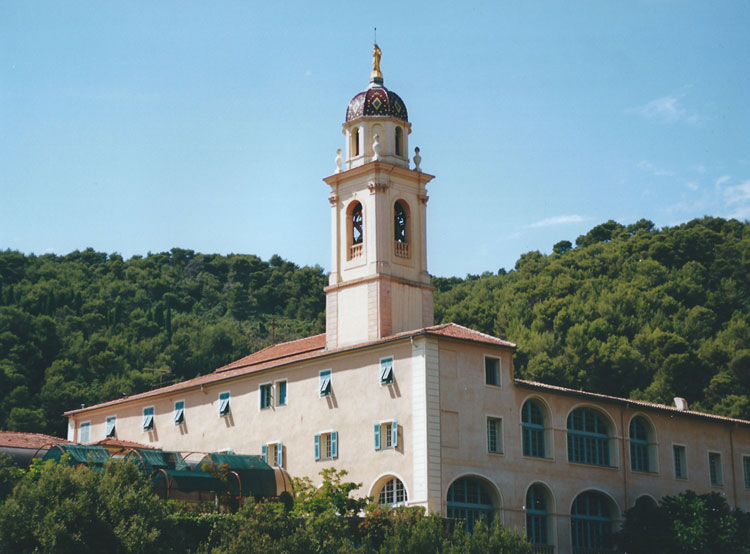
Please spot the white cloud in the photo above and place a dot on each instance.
(721, 180)
(668, 109)
(558, 220)
(738, 193)
(693, 185)
(645, 165)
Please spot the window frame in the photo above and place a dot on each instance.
(228, 411)
(277, 392)
(322, 374)
(278, 453)
(110, 434)
(87, 426)
(328, 449)
(177, 417)
(394, 492)
(497, 370)
(265, 395)
(538, 530)
(530, 431)
(498, 420)
(683, 461)
(385, 435)
(590, 448)
(148, 425)
(715, 470)
(386, 378)
(746, 470)
(640, 448)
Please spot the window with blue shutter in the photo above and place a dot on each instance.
(386, 435)
(279, 455)
(179, 412)
(325, 387)
(334, 439)
(148, 418)
(265, 396)
(386, 371)
(317, 447)
(109, 431)
(264, 452)
(281, 393)
(377, 436)
(224, 409)
(394, 433)
(84, 432)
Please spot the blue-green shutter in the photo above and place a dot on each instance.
(264, 452)
(279, 454)
(334, 444)
(317, 447)
(394, 433)
(377, 436)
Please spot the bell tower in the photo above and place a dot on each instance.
(379, 283)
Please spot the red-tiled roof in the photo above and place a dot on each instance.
(27, 440)
(299, 350)
(117, 443)
(628, 401)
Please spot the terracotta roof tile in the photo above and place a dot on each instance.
(297, 351)
(618, 400)
(27, 440)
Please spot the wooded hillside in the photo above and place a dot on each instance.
(630, 311)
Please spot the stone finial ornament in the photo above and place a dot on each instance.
(417, 159)
(339, 160)
(376, 147)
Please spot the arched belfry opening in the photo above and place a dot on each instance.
(355, 142)
(355, 230)
(399, 141)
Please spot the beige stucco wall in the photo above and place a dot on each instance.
(466, 402)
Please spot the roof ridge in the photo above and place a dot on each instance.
(269, 347)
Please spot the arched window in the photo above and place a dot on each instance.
(588, 440)
(399, 140)
(591, 522)
(639, 460)
(357, 224)
(355, 141)
(532, 418)
(393, 492)
(536, 515)
(399, 223)
(470, 500)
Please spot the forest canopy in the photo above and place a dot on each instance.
(632, 311)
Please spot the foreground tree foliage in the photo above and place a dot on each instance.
(630, 311)
(686, 524)
(64, 510)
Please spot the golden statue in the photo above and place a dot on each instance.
(376, 53)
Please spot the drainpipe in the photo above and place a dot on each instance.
(734, 476)
(624, 458)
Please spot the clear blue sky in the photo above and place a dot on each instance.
(139, 126)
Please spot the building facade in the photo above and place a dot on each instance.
(423, 414)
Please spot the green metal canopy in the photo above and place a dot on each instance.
(252, 476)
(95, 456)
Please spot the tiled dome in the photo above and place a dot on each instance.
(377, 100)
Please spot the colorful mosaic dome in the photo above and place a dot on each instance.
(377, 101)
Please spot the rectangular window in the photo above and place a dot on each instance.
(266, 396)
(224, 409)
(148, 418)
(386, 435)
(714, 468)
(84, 434)
(325, 387)
(179, 412)
(327, 446)
(109, 431)
(680, 461)
(274, 452)
(281, 393)
(746, 469)
(494, 442)
(492, 371)
(386, 371)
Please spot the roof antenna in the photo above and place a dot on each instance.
(375, 36)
